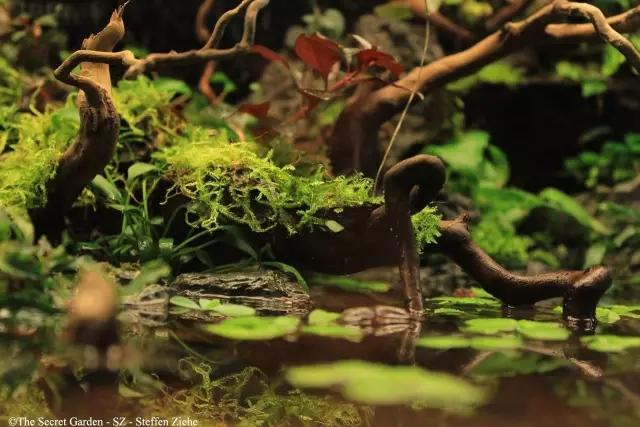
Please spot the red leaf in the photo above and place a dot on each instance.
(318, 53)
(369, 57)
(259, 111)
(269, 55)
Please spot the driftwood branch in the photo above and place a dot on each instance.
(542, 28)
(99, 124)
(581, 290)
(210, 50)
(505, 13)
(439, 21)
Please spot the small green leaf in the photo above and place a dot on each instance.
(150, 273)
(351, 333)
(208, 304)
(610, 343)
(443, 342)
(233, 310)
(322, 318)
(139, 169)
(544, 331)
(254, 328)
(184, 302)
(333, 226)
(107, 188)
(490, 326)
(495, 343)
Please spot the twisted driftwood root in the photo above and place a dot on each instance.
(98, 135)
(383, 235)
(580, 290)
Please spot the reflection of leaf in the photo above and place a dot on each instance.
(490, 326)
(351, 333)
(610, 343)
(254, 328)
(443, 342)
(389, 385)
(507, 342)
(511, 364)
(544, 331)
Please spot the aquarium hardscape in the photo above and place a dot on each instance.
(244, 342)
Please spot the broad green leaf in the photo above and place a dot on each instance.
(105, 187)
(254, 328)
(509, 364)
(507, 342)
(350, 284)
(561, 201)
(351, 333)
(321, 318)
(443, 342)
(490, 326)
(610, 343)
(333, 226)
(377, 384)
(291, 270)
(208, 304)
(233, 310)
(138, 169)
(184, 302)
(544, 331)
(150, 273)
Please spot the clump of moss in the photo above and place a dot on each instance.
(218, 401)
(30, 159)
(426, 227)
(232, 182)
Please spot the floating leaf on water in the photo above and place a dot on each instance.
(234, 310)
(606, 315)
(445, 311)
(513, 363)
(467, 302)
(377, 384)
(443, 342)
(351, 333)
(610, 343)
(490, 326)
(320, 317)
(254, 328)
(507, 342)
(544, 331)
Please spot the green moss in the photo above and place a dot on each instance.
(220, 401)
(233, 183)
(425, 226)
(31, 155)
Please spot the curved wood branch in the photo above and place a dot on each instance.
(439, 21)
(99, 124)
(209, 51)
(539, 29)
(202, 32)
(505, 13)
(580, 290)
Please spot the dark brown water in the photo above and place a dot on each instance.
(545, 383)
